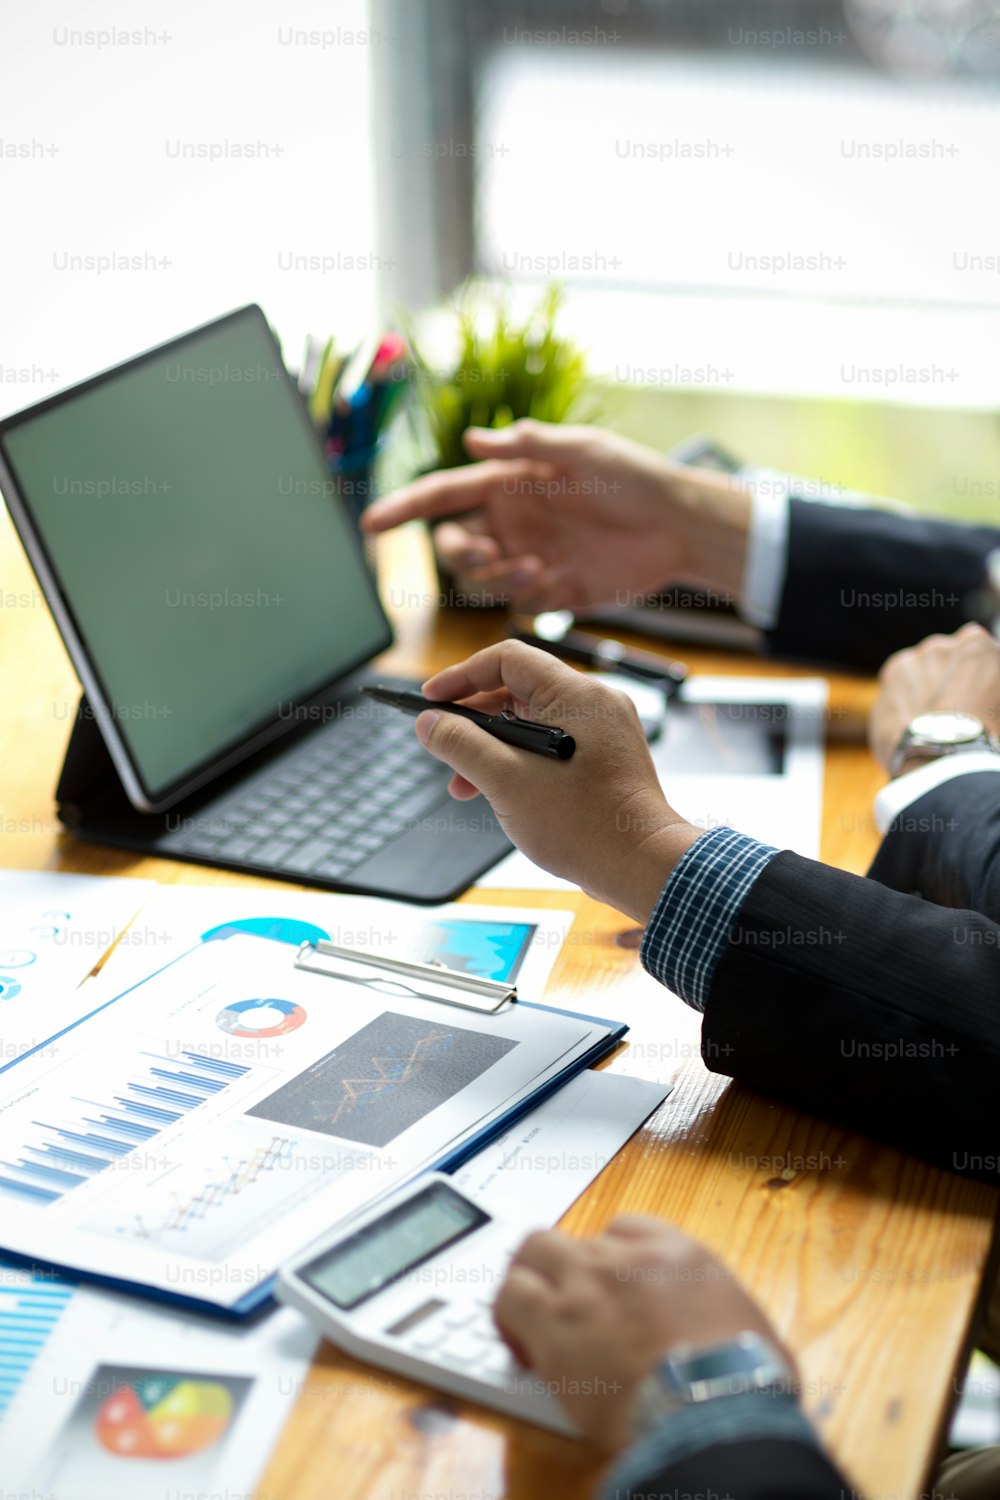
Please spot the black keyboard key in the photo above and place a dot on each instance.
(382, 796)
(253, 804)
(200, 843)
(238, 848)
(274, 820)
(370, 804)
(308, 821)
(306, 856)
(368, 841)
(331, 806)
(350, 820)
(273, 851)
(412, 807)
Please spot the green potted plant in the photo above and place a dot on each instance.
(505, 367)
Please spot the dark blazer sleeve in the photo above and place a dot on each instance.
(861, 584)
(873, 1006)
(753, 1469)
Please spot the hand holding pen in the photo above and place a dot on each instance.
(599, 819)
(540, 739)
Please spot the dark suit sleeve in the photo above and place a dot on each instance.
(946, 845)
(860, 584)
(878, 1008)
(753, 1469)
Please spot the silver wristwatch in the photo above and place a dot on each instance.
(931, 735)
(689, 1374)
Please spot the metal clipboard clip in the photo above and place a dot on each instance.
(423, 981)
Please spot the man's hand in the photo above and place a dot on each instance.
(959, 672)
(599, 819)
(564, 517)
(594, 1317)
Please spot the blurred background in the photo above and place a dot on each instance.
(774, 221)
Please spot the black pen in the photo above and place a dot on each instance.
(523, 733)
(553, 632)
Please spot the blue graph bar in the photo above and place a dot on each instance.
(71, 1154)
(30, 1308)
(53, 1175)
(26, 1190)
(66, 1157)
(211, 1084)
(88, 1138)
(165, 1116)
(216, 1065)
(166, 1096)
(129, 1127)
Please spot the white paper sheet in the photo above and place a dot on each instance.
(108, 1398)
(539, 1167)
(783, 809)
(53, 930)
(521, 943)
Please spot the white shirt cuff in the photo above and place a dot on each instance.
(892, 799)
(767, 546)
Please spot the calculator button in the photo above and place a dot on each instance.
(500, 1361)
(462, 1350)
(460, 1317)
(428, 1338)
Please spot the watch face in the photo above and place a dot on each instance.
(740, 1364)
(726, 1363)
(948, 728)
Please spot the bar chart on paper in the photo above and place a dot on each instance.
(30, 1308)
(63, 1154)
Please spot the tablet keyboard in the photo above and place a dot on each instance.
(326, 805)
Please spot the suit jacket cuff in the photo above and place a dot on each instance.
(705, 1425)
(767, 547)
(899, 794)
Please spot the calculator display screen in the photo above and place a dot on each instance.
(402, 1239)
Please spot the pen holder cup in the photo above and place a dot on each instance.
(355, 481)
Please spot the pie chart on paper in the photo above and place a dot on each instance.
(260, 1018)
(160, 1416)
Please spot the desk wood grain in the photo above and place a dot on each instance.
(870, 1264)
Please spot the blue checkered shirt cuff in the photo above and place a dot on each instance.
(690, 926)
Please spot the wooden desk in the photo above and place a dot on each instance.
(870, 1264)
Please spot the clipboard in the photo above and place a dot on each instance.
(423, 981)
(454, 991)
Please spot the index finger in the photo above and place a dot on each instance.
(451, 492)
(521, 1305)
(548, 1253)
(533, 677)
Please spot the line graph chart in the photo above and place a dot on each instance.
(243, 1179)
(382, 1080)
(238, 1174)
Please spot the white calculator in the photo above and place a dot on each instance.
(410, 1285)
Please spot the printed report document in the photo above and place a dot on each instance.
(208, 1123)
